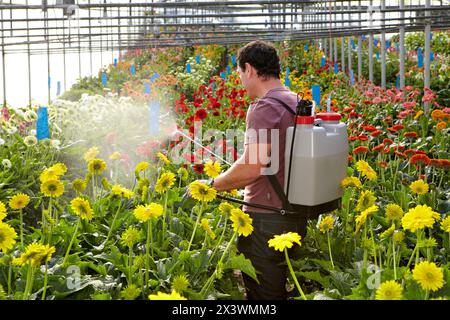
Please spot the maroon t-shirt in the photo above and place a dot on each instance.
(268, 114)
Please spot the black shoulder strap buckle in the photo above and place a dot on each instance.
(279, 190)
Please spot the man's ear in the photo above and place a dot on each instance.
(249, 68)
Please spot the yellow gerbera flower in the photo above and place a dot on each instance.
(428, 275)
(19, 201)
(143, 213)
(389, 290)
(96, 166)
(120, 191)
(351, 182)
(79, 185)
(326, 223)
(419, 217)
(7, 236)
(91, 154)
(366, 200)
(131, 292)
(183, 174)
(164, 296)
(206, 227)
(399, 236)
(394, 211)
(52, 188)
(2, 208)
(366, 170)
(141, 166)
(35, 254)
(202, 192)
(418, 114)
(163, 158)
(242, 223)
(225, 208)
(419, 187)
(115, 156)
(180, 283)
(362, 217)
(53, 173)
(284, 241)
(445, 224)
(165, 182)
(130, 236)
(82, 208)
(212, 169)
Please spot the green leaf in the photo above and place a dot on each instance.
(243, 264)
(315, 276)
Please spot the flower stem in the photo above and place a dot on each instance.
(29, 283)
(164, 218)
(114, 221)
(9, 277)
(211, 279)
(71, 242)
(147, 249)
(219, 242)
(288, 261)
(130, 262)
(199, 215)
(393, 256)
(329, 249)
(21, 227)
(45, 282)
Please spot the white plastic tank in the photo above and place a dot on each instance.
(319, 160)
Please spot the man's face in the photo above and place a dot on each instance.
(247, 77)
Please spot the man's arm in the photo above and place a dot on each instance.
(245, 170)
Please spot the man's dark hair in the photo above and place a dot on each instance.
(262, 56)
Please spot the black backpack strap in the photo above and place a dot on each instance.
(279, 190)
(284, 104)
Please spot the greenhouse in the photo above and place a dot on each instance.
(225, 150)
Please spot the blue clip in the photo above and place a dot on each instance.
(42, 129)
(197, 59)
(420, 58)
(316, 94)
(115, 62)
(104, 79)
(188, 68)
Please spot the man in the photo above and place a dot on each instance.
(259, 71)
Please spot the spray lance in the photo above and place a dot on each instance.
(315, 160)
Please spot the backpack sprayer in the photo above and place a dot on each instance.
(315, 163)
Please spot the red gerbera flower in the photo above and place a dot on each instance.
(400, 154)
(378, 148)
(360, 149)
(398, 127)
(411, 134)
(410, 152)
(420, 160)
(201, 114)
(387, 141)
(198, 168)
(376, 133)
(363, 137)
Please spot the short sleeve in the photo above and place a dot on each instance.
(260, 121)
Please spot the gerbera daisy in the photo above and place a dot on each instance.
(201, 192)
(144, 213)
(19, 201)
(389, 290)
(428, 275)
(242, 223)
(52, 188)
(96, 166)
(212, 169)
(82, 208)
(7, 237)
(284, 241)
(165, 182)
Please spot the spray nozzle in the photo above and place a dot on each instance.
(304, 108)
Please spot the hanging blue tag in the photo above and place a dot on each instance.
(133, 70)
(153, 112)
(397, 82)
(352, 77)
(49, 82)
(223, 75)
(353, 44)
(42, 130)
(397, 46)
(322, 62)
(431, 56)
(336, 68)
(197, 59)
(431, 35)
(363, 37)
(233, 60)
(154, 77)
(388, 44)
(115, 62)
(104, 79)
(147, 89)
(58, 88)
(188, 68)
(228, 69)
(378, 55)
(375, 42)
(316, 94)
(420, 58)
(306, 47)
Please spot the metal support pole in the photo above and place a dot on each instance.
(3, 63)
(371, 44)
(383, 46)
(335, 38)
(426, 76)
(402, 44)
(64, 55)
(47, 38)
(28, 57)
(342, 41)
(90, 40)
(349, 46)
(359, 46)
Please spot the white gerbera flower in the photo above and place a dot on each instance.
(11, 130)
(2, 142)
(6, 163)
(30, 141)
